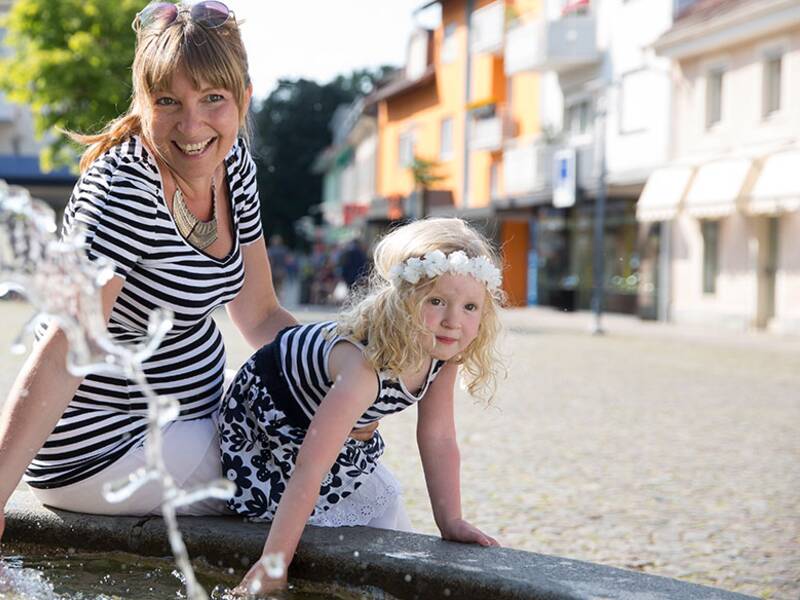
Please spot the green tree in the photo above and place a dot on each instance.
(70, 62)
(291, 129)
(425, 177)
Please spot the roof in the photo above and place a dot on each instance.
(402, 85)
(705, 10)
(710, 25)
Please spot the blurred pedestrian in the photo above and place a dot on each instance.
(279, 260)
(353, 263)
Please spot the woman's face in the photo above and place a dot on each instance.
(194, 129)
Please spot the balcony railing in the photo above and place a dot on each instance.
(487, 29)
(489, 131)
(560, 45)
(527, 167)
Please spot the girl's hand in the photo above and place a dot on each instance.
(459, 530)
(258, 582)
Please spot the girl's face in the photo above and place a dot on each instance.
(194, 129)
(452, 313)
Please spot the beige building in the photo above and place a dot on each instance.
(726, 209)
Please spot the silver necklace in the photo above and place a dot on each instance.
(200, 234)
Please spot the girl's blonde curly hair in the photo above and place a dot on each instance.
(388, 316)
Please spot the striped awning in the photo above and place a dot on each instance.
(777, 188)
(716, 188)
(663, 193)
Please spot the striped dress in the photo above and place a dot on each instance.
(269, 406)
(119, 201)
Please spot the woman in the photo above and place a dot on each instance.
(168, 195)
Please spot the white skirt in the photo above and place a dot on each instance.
(192, 456)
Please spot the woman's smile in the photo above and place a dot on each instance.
(195, 149)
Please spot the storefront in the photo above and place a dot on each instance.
(565, 250)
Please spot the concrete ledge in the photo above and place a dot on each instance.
(407, 566)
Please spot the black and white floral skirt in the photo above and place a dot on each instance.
(259, 450)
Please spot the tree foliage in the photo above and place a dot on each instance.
(291, 129)
(423, 171)
(70, 61)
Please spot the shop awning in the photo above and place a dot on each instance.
(777, 188)
(662, 194)
(716, 188)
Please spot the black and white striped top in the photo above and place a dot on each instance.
(120, 202)
(303, 353)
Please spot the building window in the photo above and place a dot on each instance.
(446, 139)
(578, 118)
(714, 81)
(710, 231)
(771, 91)
(406, 149)
(494, 181)
(449, 47)
(417, 56)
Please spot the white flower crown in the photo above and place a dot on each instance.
(437, 263)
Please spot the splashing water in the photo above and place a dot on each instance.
(63, 286)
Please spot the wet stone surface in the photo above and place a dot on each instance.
(668, 450)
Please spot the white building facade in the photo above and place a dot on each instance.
(729, 198)
(606, 101)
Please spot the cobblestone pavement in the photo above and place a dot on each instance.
(670, 450)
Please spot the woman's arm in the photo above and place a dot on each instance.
(40, 394)
(256, 311)
(354, 390)
(441, 462)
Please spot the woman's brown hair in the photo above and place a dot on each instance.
(207, 56)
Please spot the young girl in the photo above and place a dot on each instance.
(431, 307)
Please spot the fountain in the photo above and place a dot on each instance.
(62, 286)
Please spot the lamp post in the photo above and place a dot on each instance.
(598, 263)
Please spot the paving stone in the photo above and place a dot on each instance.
(666, 449)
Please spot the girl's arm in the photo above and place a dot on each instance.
(40, 395)
(256, 311)
(355, 389)
(438, 448)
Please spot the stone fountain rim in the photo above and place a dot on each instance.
(405, 565)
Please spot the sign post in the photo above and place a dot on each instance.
(564, 178)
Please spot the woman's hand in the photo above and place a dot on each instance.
(364, 434)
(259, 581)
(459, 530)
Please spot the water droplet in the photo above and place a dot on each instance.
(407, 578)
(273, 564)
(356, 554)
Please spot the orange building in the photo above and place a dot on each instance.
(454, 105)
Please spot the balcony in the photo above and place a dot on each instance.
(561, 45)
(487, 29)
(489, 127)
(527, 167)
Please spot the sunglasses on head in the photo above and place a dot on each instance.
(209, 14)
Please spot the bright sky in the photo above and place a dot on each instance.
(319, 39)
